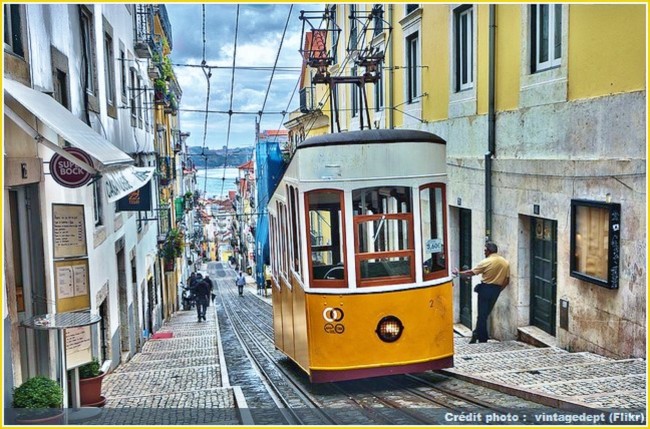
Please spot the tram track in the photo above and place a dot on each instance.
(401, 399)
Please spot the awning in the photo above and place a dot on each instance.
(120, 182)
(67, 125)
(119, 176)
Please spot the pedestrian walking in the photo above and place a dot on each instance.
(240, 282)
(495, 276)
(202, 292)
(210, 283)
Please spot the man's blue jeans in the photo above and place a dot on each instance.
(487, 297)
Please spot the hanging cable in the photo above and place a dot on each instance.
(232, 92)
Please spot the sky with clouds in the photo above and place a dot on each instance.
(259, 36)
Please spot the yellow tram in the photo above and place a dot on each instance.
(359, 256)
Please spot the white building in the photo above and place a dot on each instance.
(71, 79)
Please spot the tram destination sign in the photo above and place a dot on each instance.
(67, 173)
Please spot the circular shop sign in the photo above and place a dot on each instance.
(67, 173)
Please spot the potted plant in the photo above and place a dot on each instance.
(40, 401)
(90, 384)
(160, 91)
(172, 248)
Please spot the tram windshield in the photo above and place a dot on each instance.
(383, 222)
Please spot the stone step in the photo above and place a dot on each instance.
(521, 360)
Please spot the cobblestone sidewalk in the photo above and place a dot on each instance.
(553, 376)
(176, 380)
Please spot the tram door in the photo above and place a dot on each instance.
(543, 268)
(465, 263)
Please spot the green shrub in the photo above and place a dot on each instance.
(38, 392)
(90, 369)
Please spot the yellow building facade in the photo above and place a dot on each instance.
(543, 109)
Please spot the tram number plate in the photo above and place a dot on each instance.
(334, 328)
(433, 245)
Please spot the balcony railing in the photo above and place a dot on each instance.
(143, 37)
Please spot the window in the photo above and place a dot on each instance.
(353, 28)
(433, 220)
(595, 242)
(138, 98)
(295, 227)
(284, 248)
(109, 70)
(354, 92)
(383, 235)
(326, 238)
(378, 19)
(546, 36)
(97, 202)
(132, 99)
(60, 82)
(412, 77)
(379, 94)
(464, 52)
(334, 32)
(89, 74)
(13, 29)
(123, 76)
(411, 7)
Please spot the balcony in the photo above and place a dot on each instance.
(143, 37)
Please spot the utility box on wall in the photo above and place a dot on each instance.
(564, 314)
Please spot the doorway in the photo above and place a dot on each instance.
(123, 304)
(465, 263)
(30, 297)
(543, 278)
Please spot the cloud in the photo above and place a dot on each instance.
(259, 36)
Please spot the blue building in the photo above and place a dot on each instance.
(269, 167)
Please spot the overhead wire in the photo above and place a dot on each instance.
(232, 92)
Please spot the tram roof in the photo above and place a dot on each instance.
(371, 136)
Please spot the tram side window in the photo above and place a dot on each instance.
(273, 244)
(284, 253)
(295, 240)
(383, 222)
(326, 238)
(434, 225)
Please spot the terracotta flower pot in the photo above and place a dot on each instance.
(90, 391)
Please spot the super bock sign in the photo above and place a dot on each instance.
(67, 173)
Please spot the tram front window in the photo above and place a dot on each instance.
(383, 235)
(326, 238)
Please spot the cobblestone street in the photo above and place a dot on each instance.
(174, 375)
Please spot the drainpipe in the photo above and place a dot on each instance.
(491, 153)
(389, 106)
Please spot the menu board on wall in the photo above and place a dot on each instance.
(69, 230)
(72, 289)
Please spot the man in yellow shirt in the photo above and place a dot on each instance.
(495, 275)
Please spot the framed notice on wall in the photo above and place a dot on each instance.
(77, 346)
(69, 231)
(72, 289)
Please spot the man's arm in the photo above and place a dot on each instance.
(469, 273)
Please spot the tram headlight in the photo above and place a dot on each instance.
(389, 329)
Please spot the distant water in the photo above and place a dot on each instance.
(215, 179)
